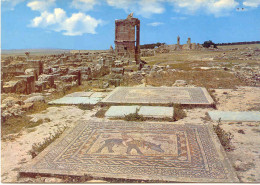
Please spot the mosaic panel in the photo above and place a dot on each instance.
(182, 153)
(159, 95)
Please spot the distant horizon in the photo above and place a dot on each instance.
(108, 47)
(90, 25)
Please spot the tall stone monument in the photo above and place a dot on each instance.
(127, 38)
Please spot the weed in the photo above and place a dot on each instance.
(34, 124)
(134, 117)
(39, 147)
(101, 112)
(179, 113)
(85, 106)
(224, 137)
(16, 124)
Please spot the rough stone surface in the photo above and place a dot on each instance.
(99, 94)
(75, 101)
(35, 99)
(80, 94)
(179, 153)
(159, 95)
(234, 116)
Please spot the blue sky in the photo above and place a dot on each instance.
(89, 24)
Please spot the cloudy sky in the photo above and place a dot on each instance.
(89, 24)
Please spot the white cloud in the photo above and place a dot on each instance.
(80, 23)
(155, 24)
(122, 4)
(216, 7)
(77, 24)
(149, 7)
(252, 3)
(84, 5)
(41, 5)
(10, 4)
(146, 8)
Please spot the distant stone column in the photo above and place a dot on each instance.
(178, 40)
(188, 42)
(27, 55)
(137, 56)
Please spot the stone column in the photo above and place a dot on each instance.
(188, 42)
(137, 49)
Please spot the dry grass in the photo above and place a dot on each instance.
(16, 124)
(39, 147)
(101, 112)
(178, 112)
(224, 137)
(209, 79)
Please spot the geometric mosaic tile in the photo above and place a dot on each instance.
(145, 151)
(159, 95)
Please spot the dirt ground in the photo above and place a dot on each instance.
(246, 154)
(245, 157)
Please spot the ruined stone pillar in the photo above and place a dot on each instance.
(137, 53)
(178, 40)
(189, 43)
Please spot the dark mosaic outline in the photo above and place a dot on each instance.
(199, 96)
(214, 155)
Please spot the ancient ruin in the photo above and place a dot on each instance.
(127, 38)
(158, 112)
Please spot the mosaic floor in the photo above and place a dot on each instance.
(159, 95)
(146, 151)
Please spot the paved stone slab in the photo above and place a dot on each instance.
(75, 101)
(159, 95)
(99, 94)
(80, 94)
(234, 116)
(156, 112)
(121, 111)
(145, 151)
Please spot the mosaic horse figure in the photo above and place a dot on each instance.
(131, 144)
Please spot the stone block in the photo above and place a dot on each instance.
(121, 111)
(75, 101)
(80, 94)
(234, 116)
(156, 111)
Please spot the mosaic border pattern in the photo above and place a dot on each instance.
(205, 159)
(198, 96)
